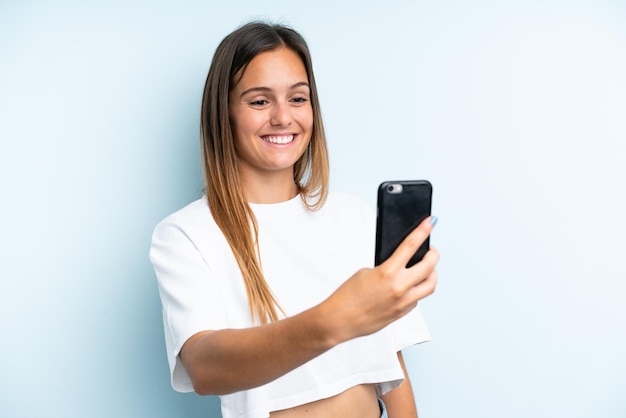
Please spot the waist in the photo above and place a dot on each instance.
(357, 402)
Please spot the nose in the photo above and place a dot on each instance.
(281, 115)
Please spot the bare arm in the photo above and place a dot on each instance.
(230, 360)
(400, 402)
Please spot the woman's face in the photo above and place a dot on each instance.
(271, 114)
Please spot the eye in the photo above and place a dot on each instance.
(260, 102)
(299, 100)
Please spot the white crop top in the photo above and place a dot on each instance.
(305, 256)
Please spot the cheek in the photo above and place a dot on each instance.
(248, 123)
(306, 118)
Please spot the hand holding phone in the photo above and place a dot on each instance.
(364, 303)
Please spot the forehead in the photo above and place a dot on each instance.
(275, 67)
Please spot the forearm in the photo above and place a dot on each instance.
(231, 360)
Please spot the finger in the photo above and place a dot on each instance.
(424, 288)
(412, 242)
(428, 262)
(422, 270)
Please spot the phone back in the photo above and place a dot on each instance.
(402, 205)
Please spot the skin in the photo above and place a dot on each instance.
(272, 101)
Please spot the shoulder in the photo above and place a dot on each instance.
(196, 216)
(195, 212)
(186, 238)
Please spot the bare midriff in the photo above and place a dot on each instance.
(357, 402)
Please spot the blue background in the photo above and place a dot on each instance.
(515, 111)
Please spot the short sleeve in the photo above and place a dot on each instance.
(189, 292)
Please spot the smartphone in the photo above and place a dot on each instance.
(402, 205)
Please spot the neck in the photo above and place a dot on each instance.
(269, 189)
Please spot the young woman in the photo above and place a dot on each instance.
(269, 298)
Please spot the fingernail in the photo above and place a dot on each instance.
(433, 220)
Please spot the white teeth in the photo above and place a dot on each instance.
(278, 139)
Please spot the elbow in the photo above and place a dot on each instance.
(208, 384)
(202, 374)
(203, 383)
(205, 387)
(208, 376)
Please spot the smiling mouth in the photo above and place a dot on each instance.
(279, 139)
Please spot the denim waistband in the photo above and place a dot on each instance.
(383, 411)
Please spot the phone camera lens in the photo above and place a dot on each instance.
(394, 188)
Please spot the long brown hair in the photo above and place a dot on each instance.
(224, 191)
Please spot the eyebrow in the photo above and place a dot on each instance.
(266, 89)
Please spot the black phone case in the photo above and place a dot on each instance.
(399, 212)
